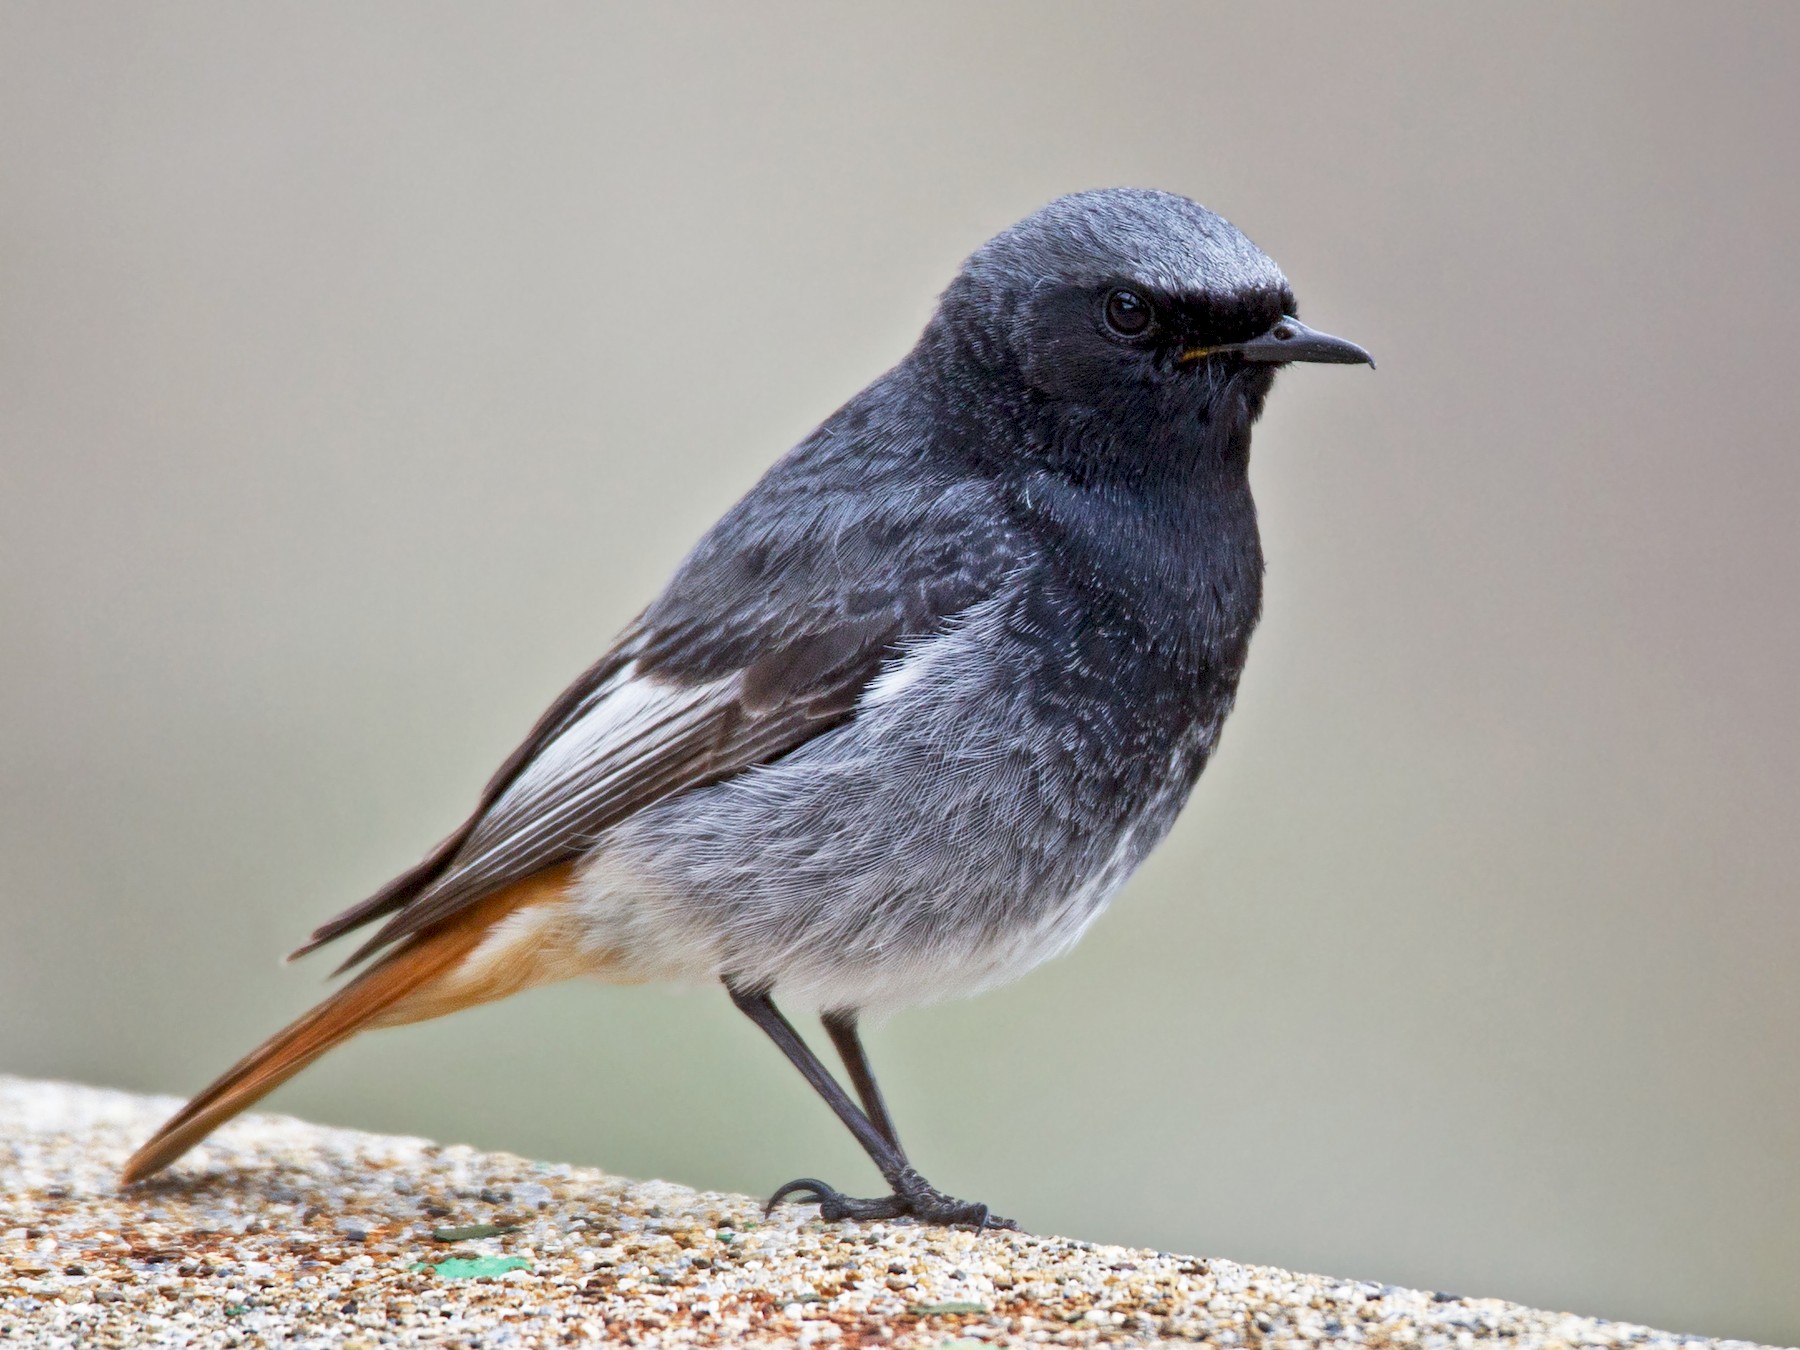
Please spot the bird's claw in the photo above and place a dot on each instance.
(922, 1202)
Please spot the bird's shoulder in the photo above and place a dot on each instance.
(870, 532)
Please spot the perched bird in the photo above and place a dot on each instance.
(909, 714)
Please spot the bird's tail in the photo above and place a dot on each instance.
(518, 937)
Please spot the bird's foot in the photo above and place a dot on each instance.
(913, 1197)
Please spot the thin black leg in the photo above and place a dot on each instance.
(913, 1195)
(842, 1028)
(761, 1009)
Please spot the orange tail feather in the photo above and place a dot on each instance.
(426, 977)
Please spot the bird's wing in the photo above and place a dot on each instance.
(766, 637)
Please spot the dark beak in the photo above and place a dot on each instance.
(1290, 340)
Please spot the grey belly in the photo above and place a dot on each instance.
(943, 841)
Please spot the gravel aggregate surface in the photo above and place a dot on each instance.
(281, 1233)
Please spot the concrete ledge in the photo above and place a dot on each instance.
(282, 1233)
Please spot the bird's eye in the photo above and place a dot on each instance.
(1128, 314)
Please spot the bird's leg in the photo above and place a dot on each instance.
(842, 1028)
(913, 1195)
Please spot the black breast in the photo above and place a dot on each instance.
(1134, 630)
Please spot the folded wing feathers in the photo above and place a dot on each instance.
(638, 738)
(630, 732)
(406, 887)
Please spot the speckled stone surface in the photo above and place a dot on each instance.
(280, 1233)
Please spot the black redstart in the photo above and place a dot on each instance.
(910, 713)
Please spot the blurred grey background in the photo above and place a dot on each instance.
(365, 367)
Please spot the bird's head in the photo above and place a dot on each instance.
(1138, 307)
